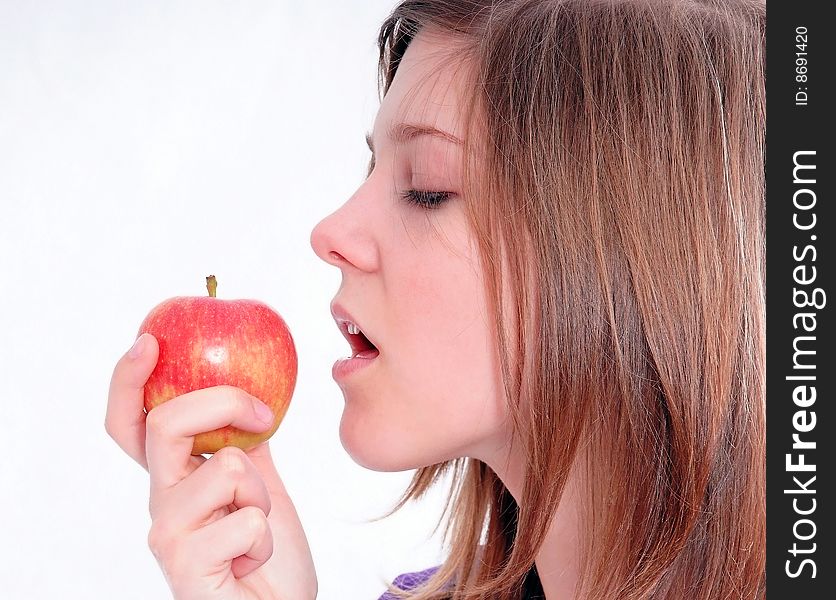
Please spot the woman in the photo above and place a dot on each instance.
(558, 253)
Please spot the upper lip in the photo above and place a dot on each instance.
(343, 318)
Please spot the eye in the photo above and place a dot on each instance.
(426, 199)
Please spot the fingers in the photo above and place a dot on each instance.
(288, 533)
(125, 417)
(229, 477)
(243, 537)
(190, 557)
(171, 427)
(207, 557)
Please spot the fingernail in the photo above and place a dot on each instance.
(263, 412)
(138, 347)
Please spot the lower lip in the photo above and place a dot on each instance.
(345, 367)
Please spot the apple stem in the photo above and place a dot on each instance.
(212, 286)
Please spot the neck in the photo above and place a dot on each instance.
(558, 558)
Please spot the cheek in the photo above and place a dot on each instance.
(435, 396)
(405, 420)
(436, 392)
(444, 339)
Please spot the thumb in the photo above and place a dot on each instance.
(295, 570)
(263, 461)
(125, 418)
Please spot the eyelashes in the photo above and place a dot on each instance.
(421, 198)
(426, 199)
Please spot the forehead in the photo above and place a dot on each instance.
(428, 87)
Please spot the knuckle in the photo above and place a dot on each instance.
(255, 521)
(239, 399)
(232, 461)
(227, 399)
(158, 540)
(155, 422)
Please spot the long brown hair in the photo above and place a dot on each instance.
(615, 181)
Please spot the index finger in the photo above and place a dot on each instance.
(125, 416)
(172, 425)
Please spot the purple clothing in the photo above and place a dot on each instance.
(409, 581)
(532, 590)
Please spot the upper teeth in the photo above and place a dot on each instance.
(353, 329)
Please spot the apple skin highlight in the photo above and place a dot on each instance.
(205, 342)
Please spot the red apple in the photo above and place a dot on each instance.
(205, 341)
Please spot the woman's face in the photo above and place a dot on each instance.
(412, 282)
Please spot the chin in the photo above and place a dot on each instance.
(379, 448)
(369, 451)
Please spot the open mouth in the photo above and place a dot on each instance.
(361, 346)
(364, 350)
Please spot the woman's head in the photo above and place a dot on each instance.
(412, 281)
(610, 193)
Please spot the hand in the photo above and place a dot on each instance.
(224, 527)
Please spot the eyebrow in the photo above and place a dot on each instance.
(401, 133)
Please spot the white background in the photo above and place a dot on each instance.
(143, 146)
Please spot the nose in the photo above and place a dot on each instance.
(345, 238)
